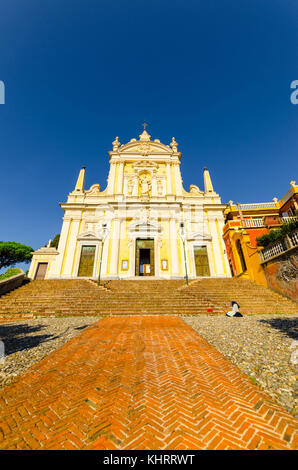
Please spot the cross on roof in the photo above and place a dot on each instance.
(144, 125)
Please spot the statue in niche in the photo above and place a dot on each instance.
(130, 187)
(159, 188)
(145, 186)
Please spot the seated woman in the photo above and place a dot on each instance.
(235, 311)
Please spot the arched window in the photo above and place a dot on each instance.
(241, 255)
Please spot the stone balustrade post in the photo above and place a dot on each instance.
(288, 241)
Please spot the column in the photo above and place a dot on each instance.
(111, 179)
(154, 185)
(125, 189)
(56, 267)
(178, 181)
(174, 248)
(105, 254)
(132, 257)
(157, 246)
(169, 179)
(120, 178)
(72, 241)
(135, 186)
(115, 248)
(217, 246)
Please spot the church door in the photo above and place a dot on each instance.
(87, 261)
(144, 257)
(201, 261)
(41, 270)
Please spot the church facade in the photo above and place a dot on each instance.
(144, 223)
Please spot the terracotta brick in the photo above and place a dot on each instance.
(122, 385)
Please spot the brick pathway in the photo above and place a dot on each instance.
(139, 383)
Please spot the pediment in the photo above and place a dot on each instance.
(145, 148)
(198, 236)
(88, 236)
(144, 226)
(146, 163)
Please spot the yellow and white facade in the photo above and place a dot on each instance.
(143, 223)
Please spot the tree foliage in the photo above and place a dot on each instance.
(12, 252)
(55, 241)
(277, 234)
(9, 273)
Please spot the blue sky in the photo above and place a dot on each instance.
(215, 74)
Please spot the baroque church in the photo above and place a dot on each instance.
(144, 223)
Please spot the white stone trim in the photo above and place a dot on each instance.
(114, 261)
(133, 236)
(178, 180)
(87, 242)
(174, 248)
(169, 179)
(120, 178)
(57, 265)
(197, 243)
(111, 179)
(71, 248)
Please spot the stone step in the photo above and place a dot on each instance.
(85, 297)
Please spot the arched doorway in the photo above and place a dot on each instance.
(241, 255)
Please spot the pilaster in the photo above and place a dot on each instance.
(154, 185)
(57, 266)
(114, 261)
(169, 179)
(178, 182)
(71, 246)
(111, 179)
(174, 247)
(120, 178)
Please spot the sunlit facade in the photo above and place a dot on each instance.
(144, 223)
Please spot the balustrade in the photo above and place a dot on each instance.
(279, 247)
(258, 205)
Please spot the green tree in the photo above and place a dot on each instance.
(55, 241)
(12, 252)
(277, 234)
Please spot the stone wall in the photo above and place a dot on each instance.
(282, 273)
(11, 283)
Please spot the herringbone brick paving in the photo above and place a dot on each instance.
(140, 382)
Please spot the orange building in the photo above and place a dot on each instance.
(245, 222)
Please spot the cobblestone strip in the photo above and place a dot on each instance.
(140, 383)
